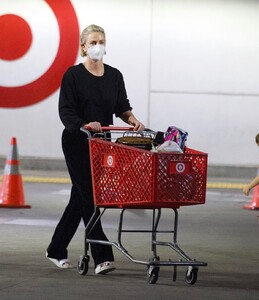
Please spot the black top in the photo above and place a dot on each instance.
(86, 98)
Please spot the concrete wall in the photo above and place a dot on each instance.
(193, 64)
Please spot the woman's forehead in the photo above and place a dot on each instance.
(96, 36)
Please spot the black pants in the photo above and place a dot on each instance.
(81, 204)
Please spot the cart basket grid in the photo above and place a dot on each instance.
(125, 176)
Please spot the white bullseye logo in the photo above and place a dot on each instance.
(110, 160)
(36, 49)
(180, 167)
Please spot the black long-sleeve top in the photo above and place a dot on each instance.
(86, 98)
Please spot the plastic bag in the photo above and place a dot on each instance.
(168, 146)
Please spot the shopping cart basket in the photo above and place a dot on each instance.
(127, 177)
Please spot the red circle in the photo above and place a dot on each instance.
(49, 82)
(15, 35)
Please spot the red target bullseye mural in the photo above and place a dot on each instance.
(18, 37)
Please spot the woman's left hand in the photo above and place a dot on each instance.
(129, 118)
(138, 126)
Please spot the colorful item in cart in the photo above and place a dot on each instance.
(177, 135)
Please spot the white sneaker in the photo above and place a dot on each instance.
(104, 268)
(61, 263)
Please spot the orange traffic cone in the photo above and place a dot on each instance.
(255, 200)
(11, 191)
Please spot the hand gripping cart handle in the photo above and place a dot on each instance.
(126, 178)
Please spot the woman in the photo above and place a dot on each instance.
(91, 93)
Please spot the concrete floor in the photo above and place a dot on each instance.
(220, 233)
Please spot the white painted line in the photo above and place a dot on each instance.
(64, 192)
(31, 222)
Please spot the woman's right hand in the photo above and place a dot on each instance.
(93, 126)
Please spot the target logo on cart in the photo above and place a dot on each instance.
(108, 160)
(39, 41)
(180, 167)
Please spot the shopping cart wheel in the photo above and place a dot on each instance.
(153, 270)
(152, 274)
(83, 264)
(191, 275)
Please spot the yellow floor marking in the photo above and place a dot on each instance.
(210, 185)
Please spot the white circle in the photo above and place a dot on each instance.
(44, 47)
(110, 160)
(180, 167)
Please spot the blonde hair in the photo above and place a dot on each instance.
(89, 29)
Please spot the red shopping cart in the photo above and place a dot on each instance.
(128, 177)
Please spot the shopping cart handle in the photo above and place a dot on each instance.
(87, 129)
(108, 128)
(117, 128)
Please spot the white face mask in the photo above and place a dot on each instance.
(96, 52)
